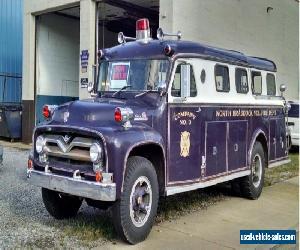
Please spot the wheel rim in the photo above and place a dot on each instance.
(140, 201)
(256, 170)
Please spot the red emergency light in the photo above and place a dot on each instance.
(142, 24)
(143, 30)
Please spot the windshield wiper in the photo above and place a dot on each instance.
(123, 88)
(145, 92)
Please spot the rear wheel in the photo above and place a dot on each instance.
(252, 185)
(134, 213)
(60, 206)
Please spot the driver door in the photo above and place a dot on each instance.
(184, 163)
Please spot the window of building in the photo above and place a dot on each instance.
(256, 83)
(222, 78)
(241, 81)
(271, 85)
(176, 85)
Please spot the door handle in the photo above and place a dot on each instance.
(215, 151)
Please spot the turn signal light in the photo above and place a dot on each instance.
(98, 176)
(46, 111)
(118, 115)
(29, 164)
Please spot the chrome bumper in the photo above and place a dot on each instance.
(77, 187)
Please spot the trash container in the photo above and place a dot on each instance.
(11, 120)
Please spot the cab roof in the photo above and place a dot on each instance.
(155, 49)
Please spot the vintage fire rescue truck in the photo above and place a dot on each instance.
(167, 116)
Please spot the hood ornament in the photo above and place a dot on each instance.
(66, 138)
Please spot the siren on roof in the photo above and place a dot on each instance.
(161, 34)
(143, 33)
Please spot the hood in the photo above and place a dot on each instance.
(100, 112)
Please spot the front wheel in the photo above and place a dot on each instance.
(134, 213)
(252, 185)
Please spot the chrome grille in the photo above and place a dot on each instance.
(76, 148)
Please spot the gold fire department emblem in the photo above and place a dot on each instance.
(185, 144)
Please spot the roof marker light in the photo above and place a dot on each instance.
(168, 50)
(100, 53)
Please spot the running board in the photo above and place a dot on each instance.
(184, 188)
(279, 163)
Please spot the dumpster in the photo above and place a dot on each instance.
(11, 120)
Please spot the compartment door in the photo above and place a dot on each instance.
(272, 140)
(237, 141)
(216, 133)
(280, 138)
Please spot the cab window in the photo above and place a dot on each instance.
(176, 90)
(271, 85)
(256, 83)
(241, 81)
(222, 78)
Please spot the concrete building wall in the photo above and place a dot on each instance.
(245, 26)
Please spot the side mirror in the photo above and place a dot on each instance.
(162, 89)
(282, 88)
(91, 85)
(185, 80)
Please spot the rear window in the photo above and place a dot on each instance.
(271, 85)
(294, 111)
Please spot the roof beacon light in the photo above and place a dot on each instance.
(143, 30)
(161, 34)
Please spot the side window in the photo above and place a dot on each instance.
(271, 85)
(241, 81)
(222, 78)
(256, 83)
(176, 85)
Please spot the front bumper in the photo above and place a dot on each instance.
(77, 187)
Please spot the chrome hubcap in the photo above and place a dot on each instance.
(140, 201)
(256, 170)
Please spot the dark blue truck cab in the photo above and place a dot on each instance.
(167, 116)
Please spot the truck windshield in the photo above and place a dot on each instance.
(138, 75)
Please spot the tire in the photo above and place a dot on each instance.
(251, 186)
(60, 206)
(139, 199)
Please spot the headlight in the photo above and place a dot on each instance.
(96, 153)
(39, 144)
